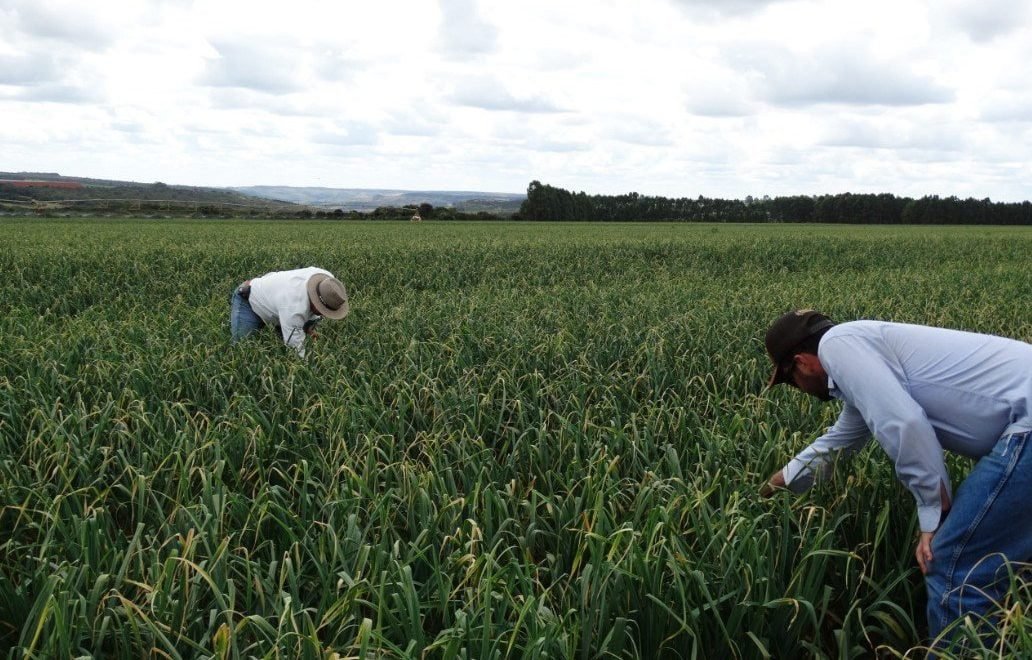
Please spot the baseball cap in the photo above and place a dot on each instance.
(786, 333)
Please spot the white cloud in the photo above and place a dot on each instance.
(463, 31)
(256, 66)
(557, 146)
(986, 20)
(60, 93)
(336, 66)
(718, 8)
(719, 92)
(868, 133)
(633, 130)
(848, 76)
(28, 69)
(1007, 107)
(488, 93)
(71, 23)
(347, 135)
(416, 119)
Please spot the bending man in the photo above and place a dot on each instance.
(919, 391)
(293, 300)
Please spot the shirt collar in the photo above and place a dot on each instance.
(832, 389)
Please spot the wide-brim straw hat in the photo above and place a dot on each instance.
(328, 296)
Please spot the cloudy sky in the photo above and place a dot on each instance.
(667, 97)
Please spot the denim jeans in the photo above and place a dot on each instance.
(242, 319)
(989, 524)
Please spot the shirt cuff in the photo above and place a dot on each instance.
(798, 478)
(929, 516)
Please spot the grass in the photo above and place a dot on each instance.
(527, 440)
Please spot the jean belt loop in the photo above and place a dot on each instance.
(1014, 441)
(1020, 439)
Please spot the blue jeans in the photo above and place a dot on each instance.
(242, 319)
(990, 524)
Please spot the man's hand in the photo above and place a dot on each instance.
(776, 481)
(924, 551)
(924, 543)
(309, 327)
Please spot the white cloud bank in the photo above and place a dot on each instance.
(671, 97)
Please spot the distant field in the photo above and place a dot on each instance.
(527, 440)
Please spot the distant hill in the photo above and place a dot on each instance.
(52, 187)
(368, 199)
(49, 192)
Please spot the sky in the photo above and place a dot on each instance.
(679, 98)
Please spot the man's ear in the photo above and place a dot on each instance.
(807, 363)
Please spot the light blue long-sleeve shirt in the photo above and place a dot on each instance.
(918, 390)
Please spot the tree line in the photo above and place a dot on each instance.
(545, 202)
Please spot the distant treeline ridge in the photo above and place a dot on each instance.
(545, 202)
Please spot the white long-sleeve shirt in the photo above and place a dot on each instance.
(918, 390)
(281, 298)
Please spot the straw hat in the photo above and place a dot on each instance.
(328, 296)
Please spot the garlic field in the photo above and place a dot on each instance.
(526, 440)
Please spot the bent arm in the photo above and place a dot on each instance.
(845, 437)
(292, 327)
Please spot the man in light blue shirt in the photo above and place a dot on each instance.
(919, 391)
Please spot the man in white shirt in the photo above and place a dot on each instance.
(293, 300)
(919, 391)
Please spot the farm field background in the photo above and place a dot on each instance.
(527, 440)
